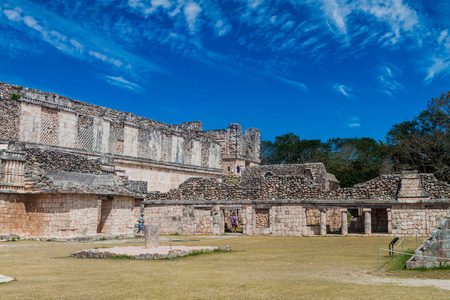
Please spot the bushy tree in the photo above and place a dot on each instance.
(424, 143)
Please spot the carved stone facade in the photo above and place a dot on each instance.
(239, 150)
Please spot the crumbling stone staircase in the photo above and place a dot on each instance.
(435, 251)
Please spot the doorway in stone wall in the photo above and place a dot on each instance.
(379, 220)
(105, 206)
(227, 213)
(355, 220)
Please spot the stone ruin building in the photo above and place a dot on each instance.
(70, 169)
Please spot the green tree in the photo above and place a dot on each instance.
(355, 160)
(424, 142)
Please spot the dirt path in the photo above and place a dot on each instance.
(364, 278)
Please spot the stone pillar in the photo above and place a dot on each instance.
(344, 222)
(367, 220)
(304, 226)
(389, 214)
(151, 233)
(323, 221)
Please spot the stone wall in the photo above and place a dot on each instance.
(434, 188)
(65, 215)
(185, 219)
(280, 220)
(333, 218)
(10, 110)
(409, 219)
(61, 161)
(269, 186)
(50, 119)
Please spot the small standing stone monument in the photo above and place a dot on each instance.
(151, 233)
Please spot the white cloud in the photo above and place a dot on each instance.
(95, 54)
(191, 12)
(293, 83)
(343, 89)
(31, 22)
(78, 46)
(254, 3)
(354, 125)
(123, 83)
(439, 65)
(337, 12)
(442, 36)
(13, 15)
(388, 79)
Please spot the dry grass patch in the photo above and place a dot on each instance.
(272, 267)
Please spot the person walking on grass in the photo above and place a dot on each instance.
(141, 223)
(234, 223)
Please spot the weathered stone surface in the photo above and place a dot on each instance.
(435, 251)
(151, 234)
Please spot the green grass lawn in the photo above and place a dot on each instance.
(272, 267)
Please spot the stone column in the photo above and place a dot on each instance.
(151, 233)
(367, 220)
(323, 221)
(304, 226)
(389, 215)
(344, 222)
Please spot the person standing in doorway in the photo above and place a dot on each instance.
(234, 223)
(141, 223)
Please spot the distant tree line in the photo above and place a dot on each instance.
(421, 144)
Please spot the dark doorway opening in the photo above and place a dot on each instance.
(105, 208)
(379, 220)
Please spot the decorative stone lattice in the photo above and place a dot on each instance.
(85, 138)
(49, 127)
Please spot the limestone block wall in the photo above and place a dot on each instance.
(63, 215)
(409, 219)
(185, 219)
(159, 178)
(333, 218)
(12, 214)
(285, 220)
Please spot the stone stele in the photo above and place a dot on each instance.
(151, 233)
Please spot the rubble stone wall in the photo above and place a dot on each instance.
(280, 187)
(61, 161)
(10, 110)
(435, 188)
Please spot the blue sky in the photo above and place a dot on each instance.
(320, 69)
